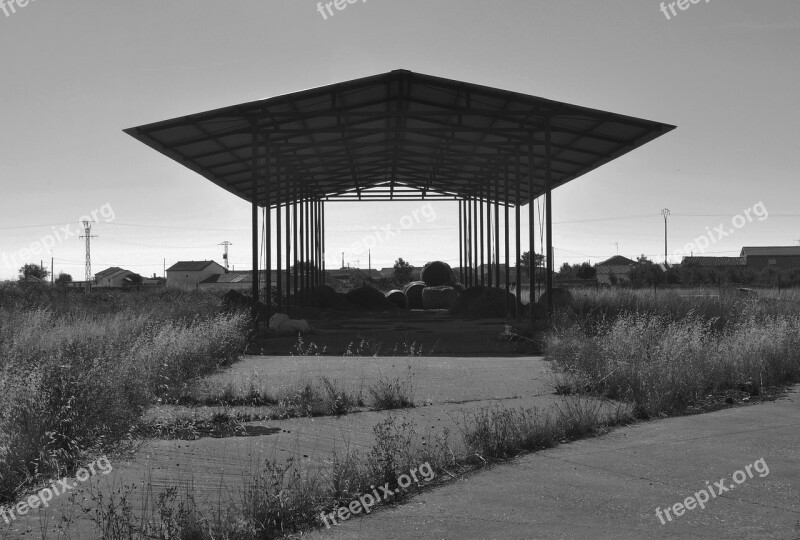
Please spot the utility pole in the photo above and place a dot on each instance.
(225, 255)
(665, 213)
(87, 228)
(52, 269)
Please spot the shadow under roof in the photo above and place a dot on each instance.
(397, 136)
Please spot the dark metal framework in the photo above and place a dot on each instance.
(396, 136)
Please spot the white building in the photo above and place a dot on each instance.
(188, 274)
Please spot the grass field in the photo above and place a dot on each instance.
(78, 372)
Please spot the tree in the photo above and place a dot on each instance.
(586, 271)
(136, 279)
(567, 271)
(525, 261)
(402, 271)
(33, 270)
(63, 279)
(646, 273)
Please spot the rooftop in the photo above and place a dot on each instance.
(190, 266)
(396, 136)
(767, 251)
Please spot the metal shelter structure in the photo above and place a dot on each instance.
(396, 136)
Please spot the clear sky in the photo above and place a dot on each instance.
(74, 73)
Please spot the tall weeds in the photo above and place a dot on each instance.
(73, 380)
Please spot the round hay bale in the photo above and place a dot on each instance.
(562, 298)
(437, 273)
(325, 297)
(486, 302)
(320, 296)
(413, 292)
(398, 298)
(369, 299)
(442, 297)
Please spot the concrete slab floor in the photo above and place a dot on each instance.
(610, 487)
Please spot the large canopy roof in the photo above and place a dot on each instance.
(399, 136)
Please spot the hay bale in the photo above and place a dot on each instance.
(413, 292)
(369, 299)
(326, 297)
(486, 302)
(398, 298)
(280, 323)
(562, 298)
(438, 273)
(321, 297)
(442, 297)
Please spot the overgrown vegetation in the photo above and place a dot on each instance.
(285, 498)
(664, 355)
(76, 371)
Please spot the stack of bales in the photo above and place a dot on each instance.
(440, 286)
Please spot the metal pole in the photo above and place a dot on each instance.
(482, 231)
(460, 245)
(295, 241)
(665, 212)
(517, 227)
(287, 190)
(254, 217)
(268, 224)
(307, 215)
(475, 240)
(549, 217)
(531, 230)
(278, 241)
(507, 239)
(497, 231)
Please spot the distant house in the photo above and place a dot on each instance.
(189, 274)
(615, 270)
(779, 257)
(713, 262)
(242, 280)
(112, 277)
(485, 269)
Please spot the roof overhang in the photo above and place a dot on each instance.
(397, 136)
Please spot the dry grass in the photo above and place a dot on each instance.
(663, 362)
(77, 371)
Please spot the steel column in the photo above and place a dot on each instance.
(278, 241)
(460, 246)
(518, 227)
(254, 218)
(549, 218)
(287, 188)
(268, 223)
(497, 232)
(507, 237)
(531, 229)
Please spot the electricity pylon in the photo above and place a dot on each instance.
(225, 255)
(87, 228)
